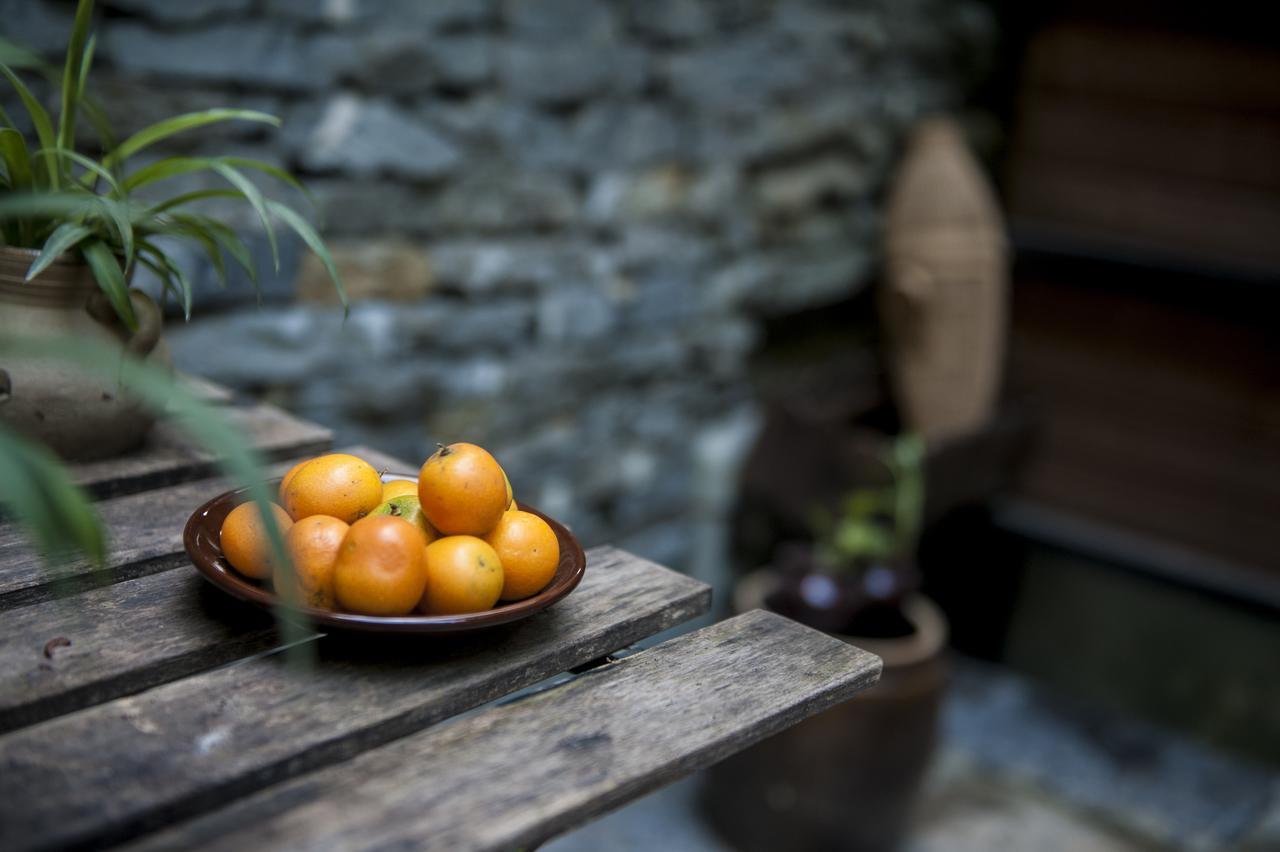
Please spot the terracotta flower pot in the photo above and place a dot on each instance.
(80, 416)
(846, 778)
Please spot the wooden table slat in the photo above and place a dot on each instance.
(120, 639)
(513, 776)
(145, 537)
(111, 771)
(168, 457)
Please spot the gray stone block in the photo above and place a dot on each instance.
(362, 138)
(482, 267)
(405, 14)
(573, 315)
(185, 12)
(571, 72)
(496, 201)
(613, 134)
(828, 180)
(671, 20)
(741, 75)
(257, 348)
(517, 133)
(372, 207)
(463, 61)
(558, 21)
(253, 54)
(456, 325)
(392, 61)
(38, 26)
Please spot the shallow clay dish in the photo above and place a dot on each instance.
(201, 540)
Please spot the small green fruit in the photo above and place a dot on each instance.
(410, 509)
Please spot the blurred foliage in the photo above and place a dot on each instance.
(876, 524)
(58, 200)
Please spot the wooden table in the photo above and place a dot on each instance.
(140, 706)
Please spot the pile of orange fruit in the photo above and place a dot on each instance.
(452, 542)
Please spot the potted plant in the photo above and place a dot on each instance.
(73, 228)
(846, 779)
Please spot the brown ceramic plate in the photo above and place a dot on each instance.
(201, 540)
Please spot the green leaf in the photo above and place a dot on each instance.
(277, 173)
(256, 201)
(17, 165)
(85, 64)
(182, 165)
(71, 74)
(47, 204)
(118, 214)
(173, 166)
(80, 160)
(192, 227)
(303, 229)
(101, 126)
(107, 272)
(188, 121)
(17, 56)
(36, 490)
(230, 242)
(39, 118)
(13, 150)
(174, 273)
(190, 197)
(64, 238)
(166, 168)
(161, 271)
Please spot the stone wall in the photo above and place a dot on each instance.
(562, 221)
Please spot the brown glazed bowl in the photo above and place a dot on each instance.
(201, 540)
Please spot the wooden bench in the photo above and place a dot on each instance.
(140, 706)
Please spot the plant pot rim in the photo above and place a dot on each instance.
(930, 624)
(66, 281)
(65, 259)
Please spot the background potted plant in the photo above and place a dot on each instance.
(73, 228)
(846, 778)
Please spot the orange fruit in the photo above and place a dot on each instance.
(529, 551)
(399, 488)
(244, 541)
(380, 567)
(339, 485)
(313, 544)
(463, 575)
(511, 495)
(288, 477)
(463, 490)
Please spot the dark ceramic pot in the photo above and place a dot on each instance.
(80, 416)
(847, 778)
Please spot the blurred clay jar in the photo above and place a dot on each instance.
(80, 416)
(847, 778)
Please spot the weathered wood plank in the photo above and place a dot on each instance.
(62, 655)
(168, 457)
(111, 771)
(205, 390)
(513, 776)
(145, 537)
